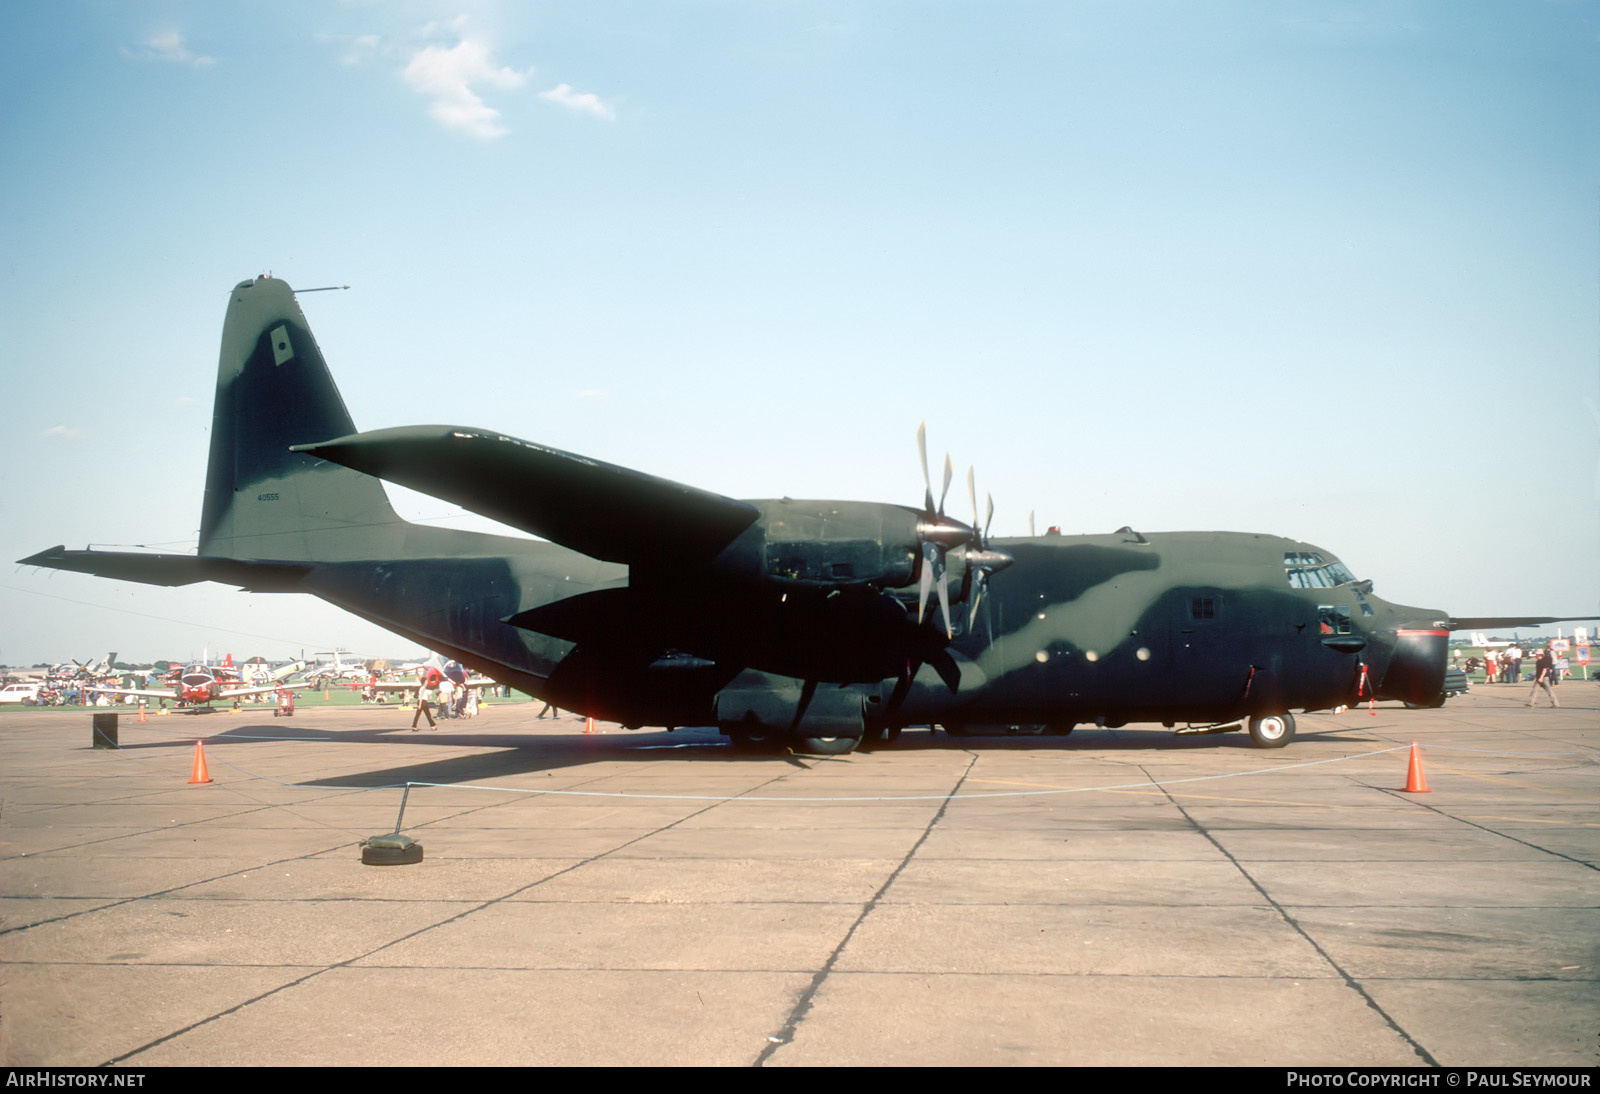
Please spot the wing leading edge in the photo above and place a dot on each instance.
(169, 570)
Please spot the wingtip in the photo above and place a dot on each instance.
(42, 557)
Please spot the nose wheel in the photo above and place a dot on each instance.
(1272, 730)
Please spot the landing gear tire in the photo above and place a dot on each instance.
(1060, 729)
(824, 746)
(746, 740)
(954, 729)
(1272, 730)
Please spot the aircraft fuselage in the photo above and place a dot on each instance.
(1199, 627)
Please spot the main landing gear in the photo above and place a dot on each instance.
(763, 740)
(1272, 730)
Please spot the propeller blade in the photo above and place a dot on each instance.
(949, 473)
(944, 600)
(930, 555)
(972, 496)
(980, 581)
(988, 517)
(1030, 524)
(922, 451)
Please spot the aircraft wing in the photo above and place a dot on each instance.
(605, 511)
(165, 693)
(164, 569)
(235, 692)
(1490, 622)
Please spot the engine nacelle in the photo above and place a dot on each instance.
(827, 544)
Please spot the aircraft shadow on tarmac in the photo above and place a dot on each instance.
(512, 755)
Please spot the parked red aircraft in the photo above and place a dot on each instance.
(201, 685)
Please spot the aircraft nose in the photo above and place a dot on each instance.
(1416, 668)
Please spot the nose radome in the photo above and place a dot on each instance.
(1416, 668)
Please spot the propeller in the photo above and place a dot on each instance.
(981, 560)
(938, 536)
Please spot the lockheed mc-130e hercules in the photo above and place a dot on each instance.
(815, 625)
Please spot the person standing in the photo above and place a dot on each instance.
(1543, 669)
(424, 702)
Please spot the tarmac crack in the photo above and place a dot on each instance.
(802, 1006)
(119, 902)
(1481, 827)
(477, 906)
(1294, 924)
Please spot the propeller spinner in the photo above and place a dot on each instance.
(981, 559)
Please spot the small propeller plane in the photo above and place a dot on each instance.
(337, 669)
(83, 670)
(200, 685)
(805, 624)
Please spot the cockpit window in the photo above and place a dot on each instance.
(1308, 570)
(1333, 618)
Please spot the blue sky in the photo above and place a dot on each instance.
(1328, 270)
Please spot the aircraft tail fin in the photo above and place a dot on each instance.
(274, 390)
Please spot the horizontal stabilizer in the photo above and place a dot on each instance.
(1489, 622)
(604, 511)
(586, 617)
(162, 569)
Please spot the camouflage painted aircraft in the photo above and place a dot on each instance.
(809, 624)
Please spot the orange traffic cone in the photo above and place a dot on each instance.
(200, 774)
(141, 712)
(588, 725)
(1415, 783)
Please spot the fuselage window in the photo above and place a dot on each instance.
(1339, 573)
(1333, 618)
(1203, 607)
(1329, 576)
